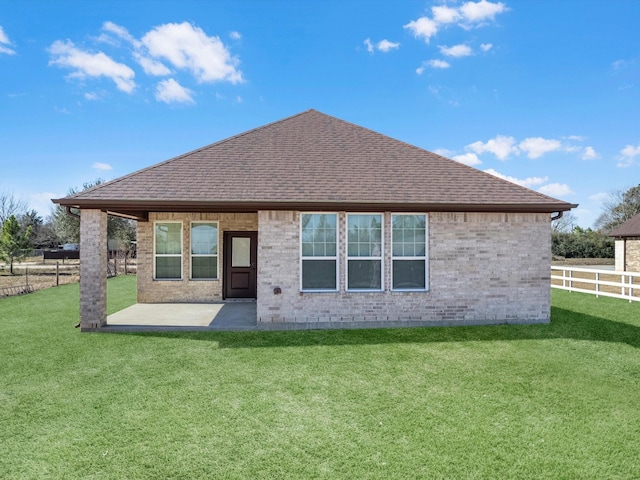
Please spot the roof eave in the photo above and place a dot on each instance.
(139, 209)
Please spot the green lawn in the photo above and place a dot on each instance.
(542, 401)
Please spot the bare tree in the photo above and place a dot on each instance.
(10, 205)
(565, 223)
(618, 208)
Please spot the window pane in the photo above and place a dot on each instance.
(409, 274)
(364, 275)
(204, 267)
(168, 267)
(364, 235)
(169, 238)
(409, 235)
(319, 234)
(319, 275)
(204, 239)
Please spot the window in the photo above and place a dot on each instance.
(168, 250)
(204, 250)
(319, 251)
(364, 252)
(409, 252)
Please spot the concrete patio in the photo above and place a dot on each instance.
(184, 316)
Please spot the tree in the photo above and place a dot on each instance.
(10, 205)
(67, 227)
(620, 207)
(564, 224)
(14, 242)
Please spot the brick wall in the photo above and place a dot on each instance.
(628, 254)
(483, 268)
(93, 269)
(184, 290)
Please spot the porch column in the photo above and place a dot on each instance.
(93, 269)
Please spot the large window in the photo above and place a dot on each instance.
(204, 250)
(364, 252)
(409, 252)
(168, 250)
(319, 251)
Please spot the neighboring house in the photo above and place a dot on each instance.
(627, 237)
(320, 220)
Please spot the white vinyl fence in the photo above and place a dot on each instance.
(607, 283)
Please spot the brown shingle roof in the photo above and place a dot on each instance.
(630, 228)
(311, 161)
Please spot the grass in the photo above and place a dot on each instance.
(540, 401)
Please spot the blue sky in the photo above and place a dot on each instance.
(546, 93)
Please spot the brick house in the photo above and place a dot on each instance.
(320, 220)
(627, 238)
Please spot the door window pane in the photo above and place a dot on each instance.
(241, 252)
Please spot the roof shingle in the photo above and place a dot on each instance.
(311, 160)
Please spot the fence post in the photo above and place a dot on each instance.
(57, 273)
(597, 284)
(26, 275)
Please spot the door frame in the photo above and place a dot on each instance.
(227, 256)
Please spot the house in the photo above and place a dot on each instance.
(627, 238)
(320, 220)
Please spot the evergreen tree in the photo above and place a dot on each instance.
(14, 242)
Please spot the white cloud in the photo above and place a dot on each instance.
(385, 45)
(120, 32)
(576, 138)
(477, 12)
(423, 27)
(501, 146)
(170, 91)
(150, 66)
(4, 41)
(367, 42)
(235, 35)
(456, 51)
(468, 159)
(468, 15)
(628, 156)
(91, 96)
(444, 14)
(599, 197)
(538, 146)
(486, 46)
(85, 64)
(527, 182)
(589, 154)
(436, 63)
(102, 166)
(556, 190)
(41, 202)
(443, 152)
(188, 47)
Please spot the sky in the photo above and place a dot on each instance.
(543, 93)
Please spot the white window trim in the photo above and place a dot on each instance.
(425, 257)
(156, 255)
(335, 258)
(191, 255)
(381, 257)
